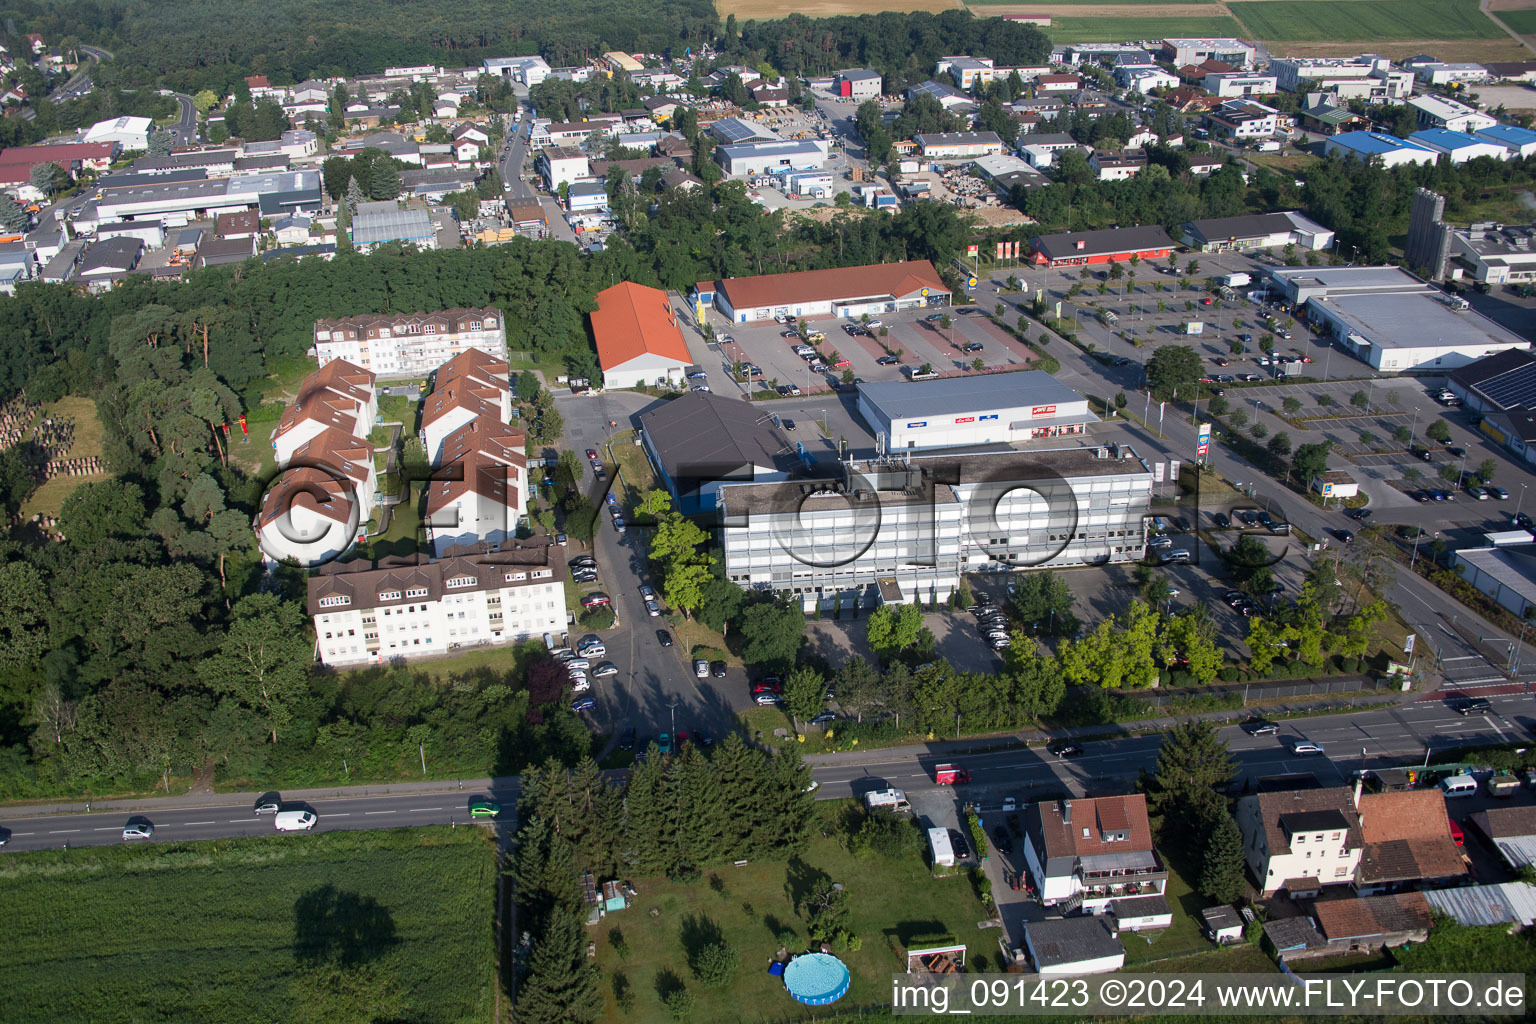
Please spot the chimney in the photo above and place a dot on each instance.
(1066, 811)
(1359, 785)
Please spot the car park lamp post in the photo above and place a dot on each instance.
(1520, 502)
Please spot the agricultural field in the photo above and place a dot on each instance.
(1312, 21)
(1125, 25)
(748, 9)
(1523, 22)
(337, 926)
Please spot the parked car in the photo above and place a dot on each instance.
(717, 669)
(1457, 835)
(887, 361)
(664, 743)
(1499, 492)
(701, 668)
(596, 600)
(652, 609)
(581, 704)
(1359, 513)
(1221, 520)
(767, 699)
(1002, 840)
(787, 423)
(604, 669)
(664, 638)
(628, 742)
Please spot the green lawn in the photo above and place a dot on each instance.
(1244, 959)
(891, 902)
(1305, 21)
(336, 926)
(1180, 939)
(1080, 30)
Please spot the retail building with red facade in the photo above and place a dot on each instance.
(1112, 245)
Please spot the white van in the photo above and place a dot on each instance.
(295, 821)
(1459, 785)
(890, 799)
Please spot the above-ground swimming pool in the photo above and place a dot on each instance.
(816, 979)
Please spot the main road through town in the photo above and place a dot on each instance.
(1398, 735)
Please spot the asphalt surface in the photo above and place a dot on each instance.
(1374, 738)
(184, 130)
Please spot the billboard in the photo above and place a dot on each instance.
(1043, 410)
(1203, 441)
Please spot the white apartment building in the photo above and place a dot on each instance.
(903, 530)
(1092, 853)
(339, 396)
(471, 385)
(562, 165)
(966, 71)
(309, 517)
(1300, 841)
(410, 344)
(372, 616)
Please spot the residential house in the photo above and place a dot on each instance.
(409, 344)
(1243, 119)
(292, 230)
(1300, 840)
(1117, 166)
(1369, 924)
(771, 96)
(310, 516)
(1046, 84)
(218, 252)
(244, 224)
(480, 491)
(339, 396)
(966, 71)
(561, 165)
(1089, 853)
(637, 336)
(471, 385)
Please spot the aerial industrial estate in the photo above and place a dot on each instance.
(1078, 484)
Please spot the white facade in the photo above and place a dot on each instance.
(462, 515)
(428, 610)
(1439, 112)
(411, 345)
(893, 535)
(966, 71)
(561, 165)
(770, 157)
(859, 84)
(1441, 73)
(958, 145)
(128, 132)
(1309, 835)
(1459, 146)
(1145, 79)
(997, 409)
(1231, 84)
(1197, 51)
(530, 71)
(1391, 151)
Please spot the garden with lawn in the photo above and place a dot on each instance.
(656, 945)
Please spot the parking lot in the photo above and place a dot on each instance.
(911, 340)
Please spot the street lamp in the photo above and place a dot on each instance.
(1416, 537)
(1521, 501)
(1460, 470)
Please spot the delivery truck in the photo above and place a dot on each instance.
(1236, 280)
(950, 775)
(887, 799)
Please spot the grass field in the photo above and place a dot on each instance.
(336, 926)
(891, 902)
(1078, 30)
(1310, 21)
(49, 498)
(1523, 22)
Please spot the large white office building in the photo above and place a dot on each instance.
(410, 344)
(406, 609)
(902, 531)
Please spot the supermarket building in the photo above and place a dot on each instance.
(847, 292)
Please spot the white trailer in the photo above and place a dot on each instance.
(943, 850)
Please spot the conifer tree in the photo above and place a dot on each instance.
(647, 817)
(1221, 870)
(561, 986)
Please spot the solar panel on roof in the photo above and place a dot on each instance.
(734, 130)
(1513, 390)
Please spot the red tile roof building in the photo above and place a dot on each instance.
(637, 335)
(843, 292)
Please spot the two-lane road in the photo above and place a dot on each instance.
(231, 816)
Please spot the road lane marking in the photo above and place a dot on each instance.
(414, 809)
(1496, 728)
(369, 812)
(199, 823)
(108, 828)
(333, 814)
(62, 831)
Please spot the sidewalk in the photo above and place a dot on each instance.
(209, 798)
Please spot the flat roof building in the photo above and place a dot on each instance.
(1391, 320)
(904, 528)
(996, 408)
(638, 341)
(1496, 253)
(1439, 112)
(769, 157)
(958, 145)
(377, 223)
(1502, 389)
(1389, 149)
(1256, 231)
(1520, 142)
(844, 292)
(1111, 245)
(1197, 51)
(1459, 146)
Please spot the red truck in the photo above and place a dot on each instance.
(950, 775)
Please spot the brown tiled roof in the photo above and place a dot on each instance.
(1274, 806)
(331, 395)
(1096, 817)
(243, 223)
(307, 488)
(1371, 916)
(454, 320)
(471, 380)
(489, 571)
(348, 455)
(825, 285)
(479, 473)
(1510, 822)
(1407, 837)
(490, 436)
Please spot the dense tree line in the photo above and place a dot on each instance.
(902, 47)
(214, 43)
